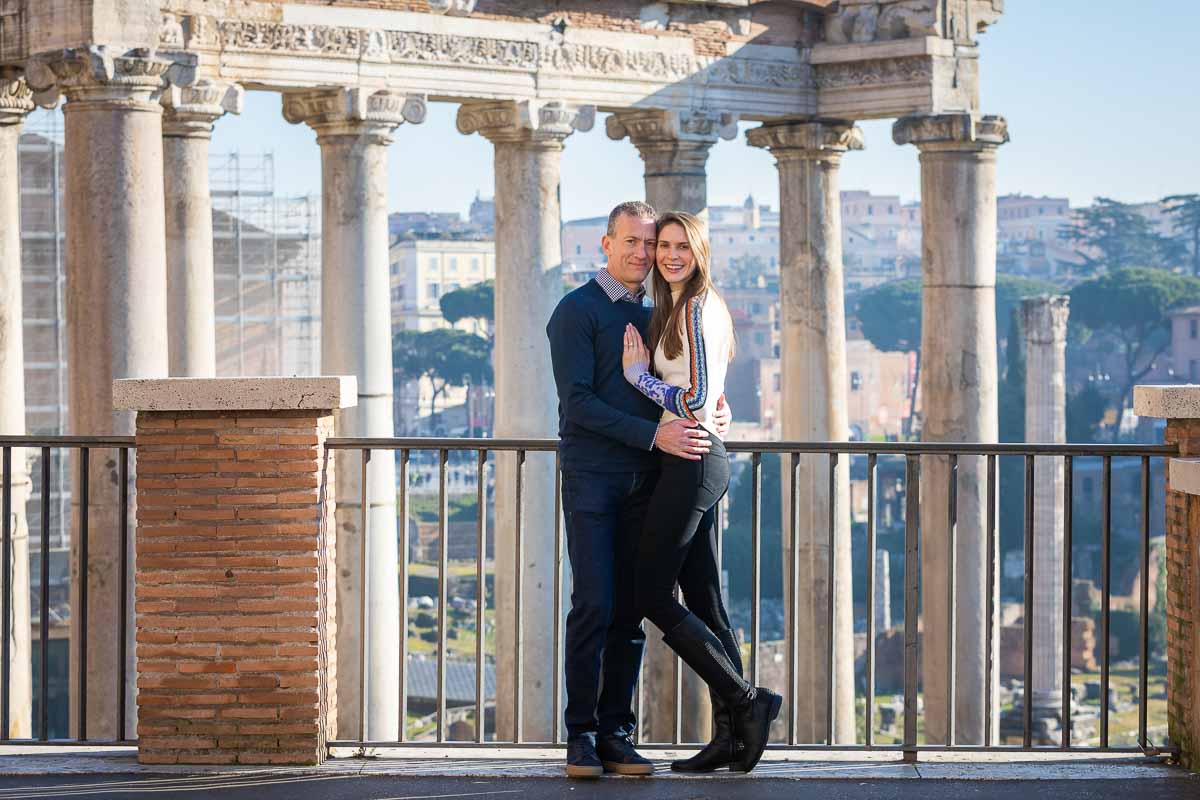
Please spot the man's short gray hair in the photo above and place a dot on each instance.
(630, 208)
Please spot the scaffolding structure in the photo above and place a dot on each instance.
(267, 267)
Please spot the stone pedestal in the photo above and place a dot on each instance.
(529, 141)
(813, 407)
(116, 305)
(1044, 325)
(16, 101)
(674, 148)
(1180, 406)
(235, 613)
(958, 391)
(354, 129)
(189, 114)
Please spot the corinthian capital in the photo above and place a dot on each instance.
(98, 74)
(961, 131)
(650, 127)
(353, 111)
(525, 121)
(1044, 318)
(808, 139)
(16, 98)
(192, 110)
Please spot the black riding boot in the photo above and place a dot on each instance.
(751, 708)
(724, 750)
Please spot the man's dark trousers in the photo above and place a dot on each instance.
(603, 512)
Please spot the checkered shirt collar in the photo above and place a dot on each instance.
(617, 290)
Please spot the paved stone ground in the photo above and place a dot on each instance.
(425, 774)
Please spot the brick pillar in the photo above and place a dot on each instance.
(234, 608)
(1180, 406)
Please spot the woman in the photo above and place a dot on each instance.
(691, 336)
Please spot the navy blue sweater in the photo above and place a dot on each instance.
(604, 424)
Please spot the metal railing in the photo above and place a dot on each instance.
(912, 453)
(47, 448)
(478, 451)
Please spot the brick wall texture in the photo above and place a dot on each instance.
(235, 623)
(1183, 603)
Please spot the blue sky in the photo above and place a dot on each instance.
(1102, 98)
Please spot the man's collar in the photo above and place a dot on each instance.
(617, 290)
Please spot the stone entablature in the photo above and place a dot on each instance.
(856, 60)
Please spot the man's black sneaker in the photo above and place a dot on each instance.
(582, 761)
(617, 755)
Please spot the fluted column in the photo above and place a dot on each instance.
(116, 311)
(354, 129)
(674, 147)
(1044, 324)
(16, 101)
(814, 408)
(188, 117)
(528, 138)
(958, 394)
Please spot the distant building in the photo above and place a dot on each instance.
(1185, 344)
(422, 271)
(479, 224)
(1030, 241)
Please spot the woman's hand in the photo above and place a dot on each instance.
(635, 358)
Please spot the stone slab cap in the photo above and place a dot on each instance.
(1173, 401)
(235, 394)
(1185, 475)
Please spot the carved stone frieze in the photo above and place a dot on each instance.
(192, 110)
(864, 21)
(950, 131)
(455, 8)
(856, 74)
(817, 139)
(645, 126)
(526, 121)
(98, 74)
(396, 46)
(16, 98)
(353, 111)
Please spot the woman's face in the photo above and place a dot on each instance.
(674, 257)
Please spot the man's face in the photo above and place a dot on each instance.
(630, 250)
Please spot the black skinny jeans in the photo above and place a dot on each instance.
(679, 542)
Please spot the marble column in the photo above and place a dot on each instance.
(354, 128)
(958, 391)
(528, 139)
(188, 117)
(116, 313)
(674, 147)
(814, 407)
(1044, 324)
(16, 101)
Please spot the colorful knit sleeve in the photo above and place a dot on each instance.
(683, 402)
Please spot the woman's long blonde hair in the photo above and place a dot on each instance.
(666, 325)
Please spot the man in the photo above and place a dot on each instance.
(608, 432)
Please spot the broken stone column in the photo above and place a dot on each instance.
(814, 407)
(958, 387)
(188, 117)
(354, 128)
(116, 312)
(528, 138)
(1044, 324)
(883, 593)
(674, 147)
(16, 100)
